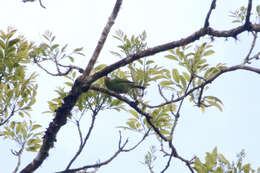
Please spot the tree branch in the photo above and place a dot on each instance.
(212, 7)
(102, 39)
(248, 14)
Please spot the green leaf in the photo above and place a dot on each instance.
(70, 84)
(219, 170)
(134, 113)
(13, 42)
(131, 123)
(166, 83)
(246, 168)
(12, 125)
(199, 167)
(36, 126)
(175, 75)
(171, 57)
(222, 159)
(186, 76)
(209, 52)
(54, 46)
(216, 105)
(258, 10)
(183, 82)
(211, 159)
(18, 128)
(78, 49)
(24, 132)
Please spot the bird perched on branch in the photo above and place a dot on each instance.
(120, 85)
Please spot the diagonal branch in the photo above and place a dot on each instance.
(134, 106)
(171, 45)
(102, 39)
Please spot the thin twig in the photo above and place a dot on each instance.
(97, 165)
(84, 142)
(10, 116)
(19, 155)
(247, 59)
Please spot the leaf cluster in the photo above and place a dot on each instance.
(196, 71)
(217, 163)
(24, 133)
(18, 89)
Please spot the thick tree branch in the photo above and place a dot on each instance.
(69, 102)
(171, 45)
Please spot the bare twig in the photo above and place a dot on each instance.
(168, 164)
(201, 92)
(19, 155)
(136, 145)
(247, 59)
(84, 142)
(97, 165)
(72, 67)
(10, 116)
(179, 108)
(40, 1)
(41, 4)
(54, 74)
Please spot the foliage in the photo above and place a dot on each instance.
(217, 163)
(197, 71)
(18, 89)
(17, 94)
(24, 133)
(240, 14)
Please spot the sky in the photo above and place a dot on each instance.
(80, 22)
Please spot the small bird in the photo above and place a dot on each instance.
(120, 85)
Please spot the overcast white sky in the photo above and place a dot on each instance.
(80, 23)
